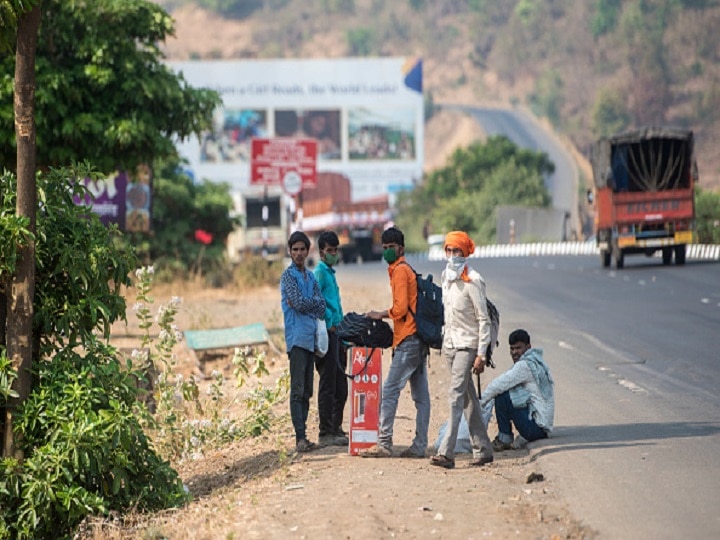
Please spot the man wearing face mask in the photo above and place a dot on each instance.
(333, 387)
(409, 354)
(465, 341)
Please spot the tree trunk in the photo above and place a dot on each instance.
(22, 289)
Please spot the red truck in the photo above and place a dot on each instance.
(644, 194)
(358, 224)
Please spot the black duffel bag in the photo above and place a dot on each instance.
(364, 331)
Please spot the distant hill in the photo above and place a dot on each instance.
(589, 67)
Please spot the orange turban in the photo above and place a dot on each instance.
(460, 239)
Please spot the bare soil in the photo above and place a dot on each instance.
(261, 488)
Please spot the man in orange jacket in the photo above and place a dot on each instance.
(409, 355)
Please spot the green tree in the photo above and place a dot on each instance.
(707, 216)
(103, 92)
(547, 99)
(465, 193)
(180, 207)
(21, 31)
(605, 17)
(360, 41)
(610, 114)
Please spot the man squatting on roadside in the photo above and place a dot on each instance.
(523, 396)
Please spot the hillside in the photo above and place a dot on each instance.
(588, 67)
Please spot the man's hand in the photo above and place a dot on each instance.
(479, 364)
(377, 315)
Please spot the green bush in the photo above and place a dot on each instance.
(87, 451)
(707, 216)
(84, 448)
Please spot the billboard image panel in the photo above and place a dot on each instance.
(366, 115)
(322, 125)
(379, 134)
(229, 140)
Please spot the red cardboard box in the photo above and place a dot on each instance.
(365, 395)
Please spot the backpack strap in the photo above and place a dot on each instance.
(352, 375)
(416, 276)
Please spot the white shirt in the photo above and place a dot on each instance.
(467, 324)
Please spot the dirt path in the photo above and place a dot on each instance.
(262, 489)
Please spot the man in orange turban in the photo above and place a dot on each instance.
(466, 339)
(458, 245)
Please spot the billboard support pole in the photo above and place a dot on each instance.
(265, 217)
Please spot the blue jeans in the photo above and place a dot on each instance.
(302, 363)
(408, 364)
(524, 423)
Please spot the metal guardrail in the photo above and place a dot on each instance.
(436, 253)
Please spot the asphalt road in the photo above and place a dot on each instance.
(635, 361)
(520, 128)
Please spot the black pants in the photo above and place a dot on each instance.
(301, 388)
(333, 386)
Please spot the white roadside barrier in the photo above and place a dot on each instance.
(436, 253)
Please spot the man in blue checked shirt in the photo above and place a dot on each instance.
(302, 304)
(333, 387)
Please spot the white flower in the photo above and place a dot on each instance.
(150, 270)
(138, 306)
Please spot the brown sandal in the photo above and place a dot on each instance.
(442, 461)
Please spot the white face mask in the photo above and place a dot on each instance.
(454, 267)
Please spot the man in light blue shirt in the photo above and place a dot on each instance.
(302, 304)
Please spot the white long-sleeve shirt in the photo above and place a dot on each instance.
(467, 324)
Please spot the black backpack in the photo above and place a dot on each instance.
(364, 331)
(429, 314)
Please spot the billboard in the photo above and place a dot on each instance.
(121, 198)
(366, 115)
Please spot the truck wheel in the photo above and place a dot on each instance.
(619, 258)
(680, 254)
(605, 258)
(667, 253)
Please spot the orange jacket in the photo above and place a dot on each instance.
(404, 294)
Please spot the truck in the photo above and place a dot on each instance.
(644, 194)
(263, 220)
(358, 224)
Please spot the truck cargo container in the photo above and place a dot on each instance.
(644, 194)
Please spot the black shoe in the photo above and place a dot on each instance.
(499, 446)
(442, 461)
(305, 446)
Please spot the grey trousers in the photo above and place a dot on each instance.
(408, 364)
(464, 400)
